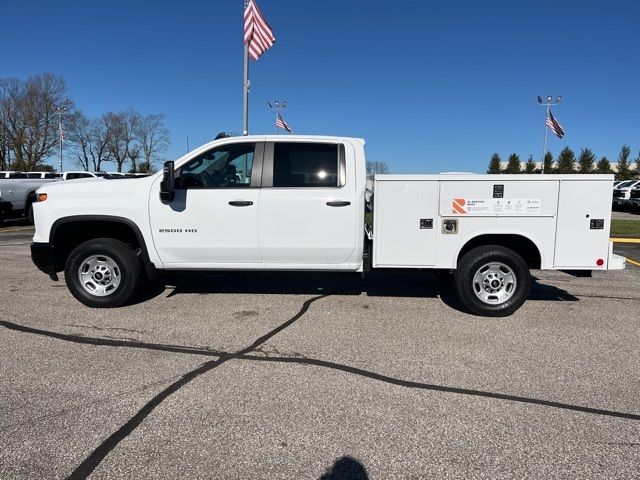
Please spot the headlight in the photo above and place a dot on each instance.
(42, 197)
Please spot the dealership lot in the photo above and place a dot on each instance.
(312, 375)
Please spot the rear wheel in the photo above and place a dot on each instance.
(492, 281)
(103, 273)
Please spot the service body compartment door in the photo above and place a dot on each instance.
(584, 218)
(405, 223)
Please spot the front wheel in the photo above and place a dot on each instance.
(103, 273)
(492, 281)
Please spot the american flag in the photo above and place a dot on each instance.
(280, 123)
(555, 127)
(257, 32)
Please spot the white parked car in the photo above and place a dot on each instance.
(77, 174)
(298, 203)
(622, 192)
(634, 197)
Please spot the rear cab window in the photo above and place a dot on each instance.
(308, 165)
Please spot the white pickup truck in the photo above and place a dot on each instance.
(17, 196)
(301, 202)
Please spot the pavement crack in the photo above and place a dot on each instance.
(128, 330)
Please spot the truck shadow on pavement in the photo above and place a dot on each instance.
(254, 353)
(378, 284)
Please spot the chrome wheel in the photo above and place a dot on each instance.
(494, 283)
(99, 275)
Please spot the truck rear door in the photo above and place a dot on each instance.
(307, 212)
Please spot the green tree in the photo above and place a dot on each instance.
(495, 164)
(566, 161)
(603, 166)
(530, 166)
(548, 163)
(586, 161)
(638, 164)
(624, 169)
(513, 164)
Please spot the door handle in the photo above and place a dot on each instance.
(240, 203)
(338, 203)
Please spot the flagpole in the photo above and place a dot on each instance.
(245, 87)
(544, 149)
(548, 105)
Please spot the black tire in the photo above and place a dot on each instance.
(29, 213)
(121, 263)
(471, 264)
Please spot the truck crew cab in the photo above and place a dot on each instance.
(300, 203)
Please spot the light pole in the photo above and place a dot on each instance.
(277, 106)
(548, 105)
(61, 111)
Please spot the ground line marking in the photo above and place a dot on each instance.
(625, 240)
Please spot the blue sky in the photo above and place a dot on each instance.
(431, 86)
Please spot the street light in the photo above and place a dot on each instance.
(548, 105)
(277, 106)
(61, 111)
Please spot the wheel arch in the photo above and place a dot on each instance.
(522, 245)
(68, 232)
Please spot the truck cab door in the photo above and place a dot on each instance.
(213, 220)
(308, 205)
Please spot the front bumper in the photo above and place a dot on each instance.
(42, 255)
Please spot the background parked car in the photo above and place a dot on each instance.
(20, 194)
(622, 191)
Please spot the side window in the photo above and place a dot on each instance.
(306, 165)
(228, 166)
(72, 176)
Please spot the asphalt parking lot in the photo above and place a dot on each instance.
(330, 376)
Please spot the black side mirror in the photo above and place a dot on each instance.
(167, 185)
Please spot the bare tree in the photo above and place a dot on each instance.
(89, 140)
(377, 167)
(153, 139)
(121, 141)
(30, 117)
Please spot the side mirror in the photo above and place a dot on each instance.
(167, 185)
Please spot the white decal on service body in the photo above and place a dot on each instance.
(517, 205)
(496, 206)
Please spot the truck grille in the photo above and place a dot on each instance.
(635, 193)
(618, 194)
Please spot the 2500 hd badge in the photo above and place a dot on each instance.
(178, 230)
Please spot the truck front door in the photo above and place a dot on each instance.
(213, 220)
(307, 213)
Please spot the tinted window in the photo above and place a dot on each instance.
(18, 175)
(51, 175)
(228, 166)
(72, 176)
(305, 165)
(34, 175)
